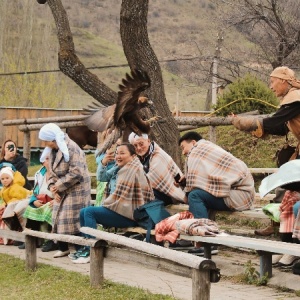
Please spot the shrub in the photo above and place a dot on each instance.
(246, 94)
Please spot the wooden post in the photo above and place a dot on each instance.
(97, 264)
(265, 262)
(27, 146)
(200, 284)
(30, 249)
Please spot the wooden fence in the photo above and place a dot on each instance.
(106, 245)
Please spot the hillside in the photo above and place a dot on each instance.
(177, 30)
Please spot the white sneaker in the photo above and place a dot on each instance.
(287, 260)
(61, 253)
(82, 260)
(276, 258)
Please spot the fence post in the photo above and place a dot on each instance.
(30, 249)
(200, 284)
(97, 263)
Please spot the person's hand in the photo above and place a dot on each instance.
(38, 203)
(53, 189)
(57, 197)
(109, 156)
(51, 203)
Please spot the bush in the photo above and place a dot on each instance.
(246, 94)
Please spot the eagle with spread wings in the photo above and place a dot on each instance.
(121, 118)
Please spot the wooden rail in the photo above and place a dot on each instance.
(204, 271)
(264, 248)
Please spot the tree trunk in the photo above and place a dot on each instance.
(70, 64)
(140, 55)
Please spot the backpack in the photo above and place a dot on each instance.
(149, 214)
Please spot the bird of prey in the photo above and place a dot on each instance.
(123, 117)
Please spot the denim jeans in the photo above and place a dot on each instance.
(201, 201)
(296, 208)
(93, 215)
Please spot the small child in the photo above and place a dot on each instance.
(11, 193)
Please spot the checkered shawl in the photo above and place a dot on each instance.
(287, 218)
(201, 227)
(166, 230)
(296, 232)
(132, 190)
(211, 168)
(161, 174)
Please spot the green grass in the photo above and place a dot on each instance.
(49, 282)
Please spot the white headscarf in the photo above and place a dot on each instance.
(51, 132)
(8, 171)
(133, 136)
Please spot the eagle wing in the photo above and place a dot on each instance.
(130, 90)
(101, 118)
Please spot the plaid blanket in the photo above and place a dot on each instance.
(133, 189)
(166, 229)
(287, 218)
(216, 171)
(201, 227)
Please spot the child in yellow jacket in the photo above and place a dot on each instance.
(11, 193)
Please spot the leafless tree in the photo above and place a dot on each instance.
(139, 54)
(272, 25)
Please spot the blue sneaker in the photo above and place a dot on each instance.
(76, 254)
(84, 257)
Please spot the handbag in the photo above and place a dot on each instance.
(44, 198)
(286, 153)
(149, 214)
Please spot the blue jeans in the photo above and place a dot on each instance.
(201, 201)
(93, 215)
(296, 208)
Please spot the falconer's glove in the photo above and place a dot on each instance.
(249, 124)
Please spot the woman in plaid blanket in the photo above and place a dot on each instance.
(132, 190)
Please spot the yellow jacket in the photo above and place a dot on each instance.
(15, 191)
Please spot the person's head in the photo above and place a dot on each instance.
(54, 138)
(141, 143)
(6, 176)
(188, 141)
(125, 153)
(44, 159)
(8, 150)
(281, 80)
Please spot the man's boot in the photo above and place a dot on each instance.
(266, 231)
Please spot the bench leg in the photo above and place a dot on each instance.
(200, 284)
(30, 251)
(265, 260)
(207, 250)
(97, 266)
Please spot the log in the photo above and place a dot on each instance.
(72, 239)
(164, 253)
(31, 127)
(43, 120)
(203, 121)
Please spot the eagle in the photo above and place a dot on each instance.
(123, 117)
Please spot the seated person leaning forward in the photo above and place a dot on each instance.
(160, 169)
(215, 179)
(132, 190)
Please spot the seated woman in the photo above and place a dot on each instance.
(10, 158)
(39, 210)
(160, 168)
(132, 190)
(106, 172)
(12, 193)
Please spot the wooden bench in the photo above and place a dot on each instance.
(106, 245)
(264, 248)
